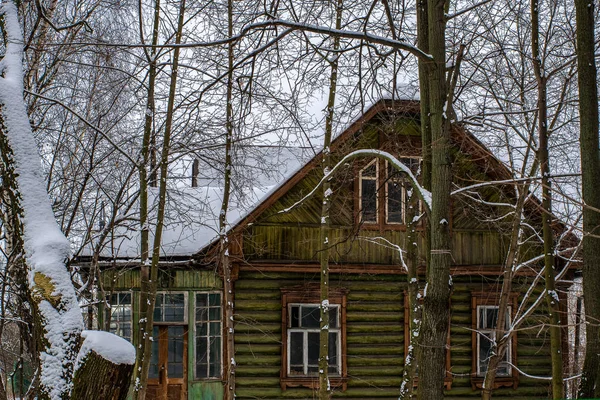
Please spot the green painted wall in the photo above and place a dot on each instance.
(375, 338)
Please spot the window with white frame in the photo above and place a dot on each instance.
(368, 192)
(170, 307)
(303, 336)
(208, 335)
(120, 315)
(487, 316)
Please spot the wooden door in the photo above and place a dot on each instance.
(167, 378)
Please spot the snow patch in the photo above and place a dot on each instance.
(108, 346)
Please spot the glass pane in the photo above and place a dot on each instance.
(485, 346)
(201, 314)
(295, 317)
(214, 313)
(154, 357)
(215, 329)
(201, 300)
(175, 351)
(296, 351)
(201, 329)
(158, 314)
(370, 171)
(313, 348)
(201, 357)
(214, 299)
(394, 201)
(333, 317)
(310, 316)
(125, 298)
(333, 351)
(215, 357)
(368, 198)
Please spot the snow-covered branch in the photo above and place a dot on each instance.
(423, 194)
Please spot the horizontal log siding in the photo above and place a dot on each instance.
(375, 338)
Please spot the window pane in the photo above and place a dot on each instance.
(485, 346)
(201, 357)
(201, 300)
(296, 352)
(154, 357)
(158, 307)
(333, 317)
(310, 316)
(370, 171)
(295, 317)
(333, 346)
(394, 201)
(368, 202)
(215, 357)
(214, 299)
(175, 352)
(313, 348)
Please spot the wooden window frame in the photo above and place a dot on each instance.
(222, 349)
(309, 294)
(448, 377)
(375, 161)
(109, 310)
(492, 298)
(381, 222)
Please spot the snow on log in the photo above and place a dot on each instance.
(108, 346)
(46, 247)
(104, 367)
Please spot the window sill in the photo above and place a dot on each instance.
(500, 381)
(311, 382)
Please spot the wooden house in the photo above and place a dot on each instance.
(275, 258)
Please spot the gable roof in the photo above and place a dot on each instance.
(462, 139)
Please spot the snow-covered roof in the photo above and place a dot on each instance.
(192, 213)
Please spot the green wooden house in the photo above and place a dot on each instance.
(275, 259)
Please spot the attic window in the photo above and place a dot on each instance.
(368, 192)
(392, 207)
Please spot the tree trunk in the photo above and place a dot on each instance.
(324, 385)
(224, 242)
(101, 379)
(551, 295)
(148, 318)
(590, 176)
(436, 302)
(414, 305)
(143, 342)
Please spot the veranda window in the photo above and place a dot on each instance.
(120, 315)
(208, 335)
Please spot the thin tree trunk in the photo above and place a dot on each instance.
(590, 175)
(224, 242)
(324, 385)
(436, 302)
(162, 197)
(143, 342)
(414, 305)
(551, 295)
